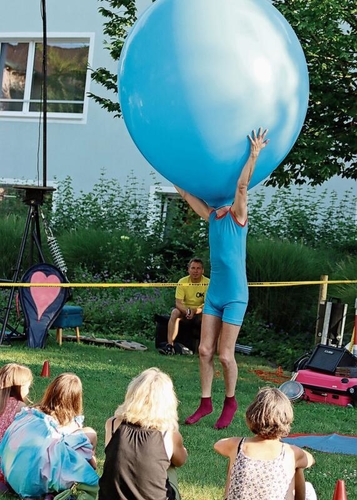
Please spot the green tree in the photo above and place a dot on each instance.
(327, 144)
(120, 15)
(326, 29)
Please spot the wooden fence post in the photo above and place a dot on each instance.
(321, 302)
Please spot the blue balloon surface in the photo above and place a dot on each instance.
(196, 76)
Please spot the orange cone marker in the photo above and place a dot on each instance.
(340, 491)
(45, 372)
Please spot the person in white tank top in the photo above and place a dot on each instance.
(262, 467)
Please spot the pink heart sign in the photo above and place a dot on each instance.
(43, 297)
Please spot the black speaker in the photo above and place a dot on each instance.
(327, 358)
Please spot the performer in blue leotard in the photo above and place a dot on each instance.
(227, 295)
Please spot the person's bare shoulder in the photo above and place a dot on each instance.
(227, 446)
(110, 428)
(303, 458)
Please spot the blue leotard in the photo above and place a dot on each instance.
(227, 294)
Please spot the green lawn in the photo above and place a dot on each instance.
(106, 372)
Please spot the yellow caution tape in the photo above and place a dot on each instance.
(170, 285)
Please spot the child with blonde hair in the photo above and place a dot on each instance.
(262, 467)
(143, 442)
(15, 383)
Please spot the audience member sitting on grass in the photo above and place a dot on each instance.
(46, 449)
(262, 467)
(190, 297)
(15, 382)
(143, 443)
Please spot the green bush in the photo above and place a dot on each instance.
(109, 205)
(11, 229)
(121, 311)
(279, 347)
(118, 234)
(302, 216)
(288, 308)
(123, 231)
(100, 251)
(345, 270)
(12, 232)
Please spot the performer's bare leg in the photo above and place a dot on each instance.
(211, 326)
(227, 342)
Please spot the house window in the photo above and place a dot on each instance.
(162, 200)
(21, 77)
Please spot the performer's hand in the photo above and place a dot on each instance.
(258, 142)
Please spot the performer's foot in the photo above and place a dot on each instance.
(204, 409)
(230, 406)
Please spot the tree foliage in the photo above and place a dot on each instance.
(326, 29)
(119, 16)
(327, 144)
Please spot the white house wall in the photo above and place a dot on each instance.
(78, 150)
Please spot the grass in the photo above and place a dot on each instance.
(106, 372)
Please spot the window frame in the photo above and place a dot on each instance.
(159, 198)
(52, 37)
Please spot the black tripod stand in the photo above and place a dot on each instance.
(33, 196)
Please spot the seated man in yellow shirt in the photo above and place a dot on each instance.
(190, 297)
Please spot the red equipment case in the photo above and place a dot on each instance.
(330, 389)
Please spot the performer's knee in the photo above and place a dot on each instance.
(205, 352)
(226, 358)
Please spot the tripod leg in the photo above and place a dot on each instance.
(37, 241)
(36, 235)
(16, 273)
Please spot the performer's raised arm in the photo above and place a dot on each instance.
(199, 206)
(240, 204)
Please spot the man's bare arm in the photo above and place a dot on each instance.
(181, 306)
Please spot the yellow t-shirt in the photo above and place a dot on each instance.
(194, 295)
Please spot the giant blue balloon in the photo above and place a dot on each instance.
(196, 76)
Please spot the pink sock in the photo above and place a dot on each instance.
(204, 409)
(229, 408)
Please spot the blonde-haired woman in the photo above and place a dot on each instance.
(47, 443)
(15, 383)
(143, 442)
(262, 467)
